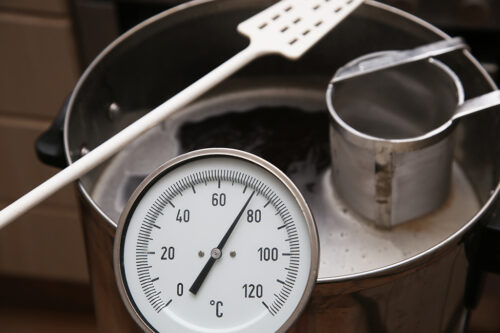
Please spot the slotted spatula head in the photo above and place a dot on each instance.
(291, 27)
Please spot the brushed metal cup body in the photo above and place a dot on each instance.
(391, 138)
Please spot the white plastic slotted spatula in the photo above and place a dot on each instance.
(289, 28)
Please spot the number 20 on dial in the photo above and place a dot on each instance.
(217, 240)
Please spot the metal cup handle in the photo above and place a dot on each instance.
(397, 58)
(473, 105)
(392, 59)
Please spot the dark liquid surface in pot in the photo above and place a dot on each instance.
(289, 128)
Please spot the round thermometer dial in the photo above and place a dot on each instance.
(217, 240)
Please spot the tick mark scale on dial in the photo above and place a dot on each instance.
(164, 306)
(155, 208)
(148, 223)
(143, 264)
(280, 301)
(287, 289)
(143, 269)
(150, 219)
(283, 290)
(284, 225)
(155, 300)
(143, 275)
(154, 295)
(285, 293)
(147, 286)
(162, 201)
(156, 303)
(146, 226)
(267, 307)
(177, 188)
(274, 307)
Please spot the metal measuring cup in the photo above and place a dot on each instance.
(393, 114)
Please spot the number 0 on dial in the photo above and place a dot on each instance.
(217, 240)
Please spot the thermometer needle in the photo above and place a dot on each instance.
(208, 266)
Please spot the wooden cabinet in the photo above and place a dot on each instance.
(39, 67)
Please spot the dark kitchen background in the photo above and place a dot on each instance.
(44, 47)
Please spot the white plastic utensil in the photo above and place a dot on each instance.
(289, 28)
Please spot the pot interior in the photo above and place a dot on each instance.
(274, 108)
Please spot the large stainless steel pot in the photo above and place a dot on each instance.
(409, 279)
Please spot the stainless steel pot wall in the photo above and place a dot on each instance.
(411, 279)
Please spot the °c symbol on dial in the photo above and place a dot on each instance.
(218, 308)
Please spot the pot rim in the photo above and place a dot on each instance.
(379, 272)
(394, 145)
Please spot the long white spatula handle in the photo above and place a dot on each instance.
(289, 28)
(117, 142)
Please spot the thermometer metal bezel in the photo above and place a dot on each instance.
(178, 161)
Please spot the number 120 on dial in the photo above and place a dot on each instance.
(217, 240)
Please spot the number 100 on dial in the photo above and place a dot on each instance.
(217, 240)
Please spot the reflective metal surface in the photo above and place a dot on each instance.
(276, 109)
(391, 138)
(393, 115)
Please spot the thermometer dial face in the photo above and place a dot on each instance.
(217, 240)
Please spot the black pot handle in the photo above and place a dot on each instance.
(488, 256)
(482, 247)
(50, 144)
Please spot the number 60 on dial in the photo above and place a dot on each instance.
(217, 240)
